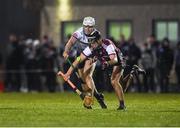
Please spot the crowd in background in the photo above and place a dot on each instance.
(31, 65)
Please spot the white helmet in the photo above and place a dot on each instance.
(89, 21)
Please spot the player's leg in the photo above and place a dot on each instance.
(115, 78)
(127, 80)
(88, 71)
(85, 88)
(136, 69)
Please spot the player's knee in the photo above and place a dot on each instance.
(90, 82)
(88, 78)
(113, 82)
(85, 88)
(83, 80)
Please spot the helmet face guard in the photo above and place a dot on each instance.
(91, 40)
(94, 36)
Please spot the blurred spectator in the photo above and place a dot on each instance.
(49, 63)
(37, 66)
(60, 81)
(153, 42)
(133, 57)
(177, 64)
(14, 62)
(164, 63)
(134, 52)
(154, 45)
(31, 66)
(124, 46)
(146, 61)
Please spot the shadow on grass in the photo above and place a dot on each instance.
(9, 108)
(154, 110)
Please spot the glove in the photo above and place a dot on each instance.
(105, 65)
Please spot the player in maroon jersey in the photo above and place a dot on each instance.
(109, 55)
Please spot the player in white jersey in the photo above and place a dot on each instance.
(109, 55)
(86, 69)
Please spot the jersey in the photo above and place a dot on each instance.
(82, 39)
(103, 52)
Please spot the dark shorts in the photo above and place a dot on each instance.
(121, 60)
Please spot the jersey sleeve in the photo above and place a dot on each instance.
(78, 33)
(87, 51)
(110, 49)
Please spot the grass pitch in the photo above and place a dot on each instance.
(65, 109)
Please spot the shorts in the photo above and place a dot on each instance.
(121, 59)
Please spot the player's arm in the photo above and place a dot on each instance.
(77, 61)
(68, 46)
(113, 59)
(86, 53)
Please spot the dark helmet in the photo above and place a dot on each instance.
(94, 36)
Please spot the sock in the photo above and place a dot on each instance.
(121, 103)
(96, 95)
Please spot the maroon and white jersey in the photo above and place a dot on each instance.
(103, 52)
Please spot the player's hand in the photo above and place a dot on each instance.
(105, 65)
(65, 55)
(94, 59)
(66, 77)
